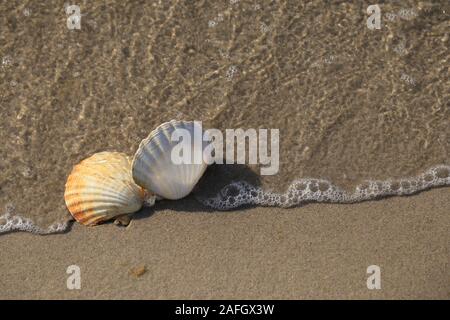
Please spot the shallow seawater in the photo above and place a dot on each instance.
(352, 104)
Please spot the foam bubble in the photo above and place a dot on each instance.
(301, 191)
(242, 193)
(10, 223)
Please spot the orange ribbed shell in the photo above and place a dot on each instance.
(101, 187)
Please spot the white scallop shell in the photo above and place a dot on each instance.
(101, 188)
(153, 167)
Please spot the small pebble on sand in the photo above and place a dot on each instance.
(138, 271)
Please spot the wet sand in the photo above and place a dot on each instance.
(315, 251)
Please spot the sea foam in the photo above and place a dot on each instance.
(301, 191)
(10, 223)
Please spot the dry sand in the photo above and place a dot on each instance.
(314, 251)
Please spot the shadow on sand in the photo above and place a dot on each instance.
(215, 178)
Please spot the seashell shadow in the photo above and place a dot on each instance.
(215, 178)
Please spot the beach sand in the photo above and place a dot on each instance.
(351, 104)
(314, 251)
